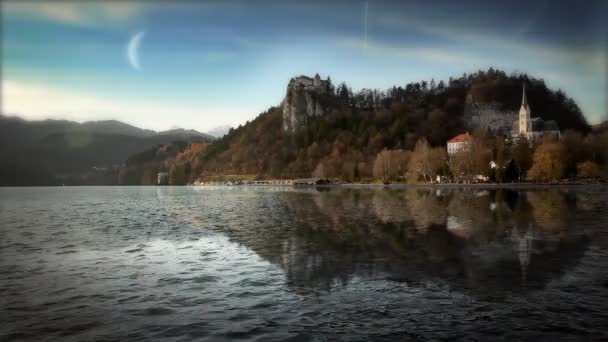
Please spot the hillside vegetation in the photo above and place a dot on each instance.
(346, 141)
(55, 152)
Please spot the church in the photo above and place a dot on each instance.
(533, 128)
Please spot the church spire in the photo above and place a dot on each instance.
(525, 124)
(524, 98)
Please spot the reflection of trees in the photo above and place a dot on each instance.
(474, 211)
(549, 210)
(426, 208)
(322, 239)
(389, 206)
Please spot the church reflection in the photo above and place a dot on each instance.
(484, 241)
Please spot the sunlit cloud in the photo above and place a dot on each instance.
(75, 13)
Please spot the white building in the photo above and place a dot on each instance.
(460, 143)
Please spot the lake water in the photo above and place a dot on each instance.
(272, 263)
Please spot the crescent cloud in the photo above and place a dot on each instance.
(133, 49)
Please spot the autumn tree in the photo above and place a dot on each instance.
(549, 162)
(588, 169)
(319, 171)
(481, 153)
(425, 161)
(575, 151)
(390, 164)
(178, 174)
(521, 152)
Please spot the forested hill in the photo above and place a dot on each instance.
(356, 126)
(54, 152)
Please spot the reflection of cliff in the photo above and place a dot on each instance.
(322, 239)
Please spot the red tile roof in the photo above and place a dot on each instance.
(461, 137)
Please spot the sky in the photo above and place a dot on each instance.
(204, 64)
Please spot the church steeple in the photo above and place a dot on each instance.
(524, 98)
(525, 123)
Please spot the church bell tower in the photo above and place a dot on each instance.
(525, 123)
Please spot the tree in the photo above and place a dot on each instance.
(343, 91)
(382, 165)
(432, 86)
(501, 158)
(177, 174)
(319, 171)
(390, 164)
(481, 153)
(426, 161)
(150, 173)
(588, 169)
(330, 89)
(474, 160)
(575, 151)
(522, 154)
(549, 162)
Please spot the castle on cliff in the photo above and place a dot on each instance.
(302, 101)
(307, 83)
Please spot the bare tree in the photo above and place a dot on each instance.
(426, 161)
(390, 164)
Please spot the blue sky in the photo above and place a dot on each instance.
(205, 64)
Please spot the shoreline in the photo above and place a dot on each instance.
(480, 185)
(355, 185)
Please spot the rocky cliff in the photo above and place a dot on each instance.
(303, 100)
(488, 116)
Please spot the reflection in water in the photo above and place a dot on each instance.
(485, 241)
(184, 263)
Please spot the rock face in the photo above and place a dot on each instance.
(488, 116)
(302, 100)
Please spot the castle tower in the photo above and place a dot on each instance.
(525, 123)
(317, 81)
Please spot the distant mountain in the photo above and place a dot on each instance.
(601, 127)
(62, 152)
(116, 127)
(186, 133)
(219, 131)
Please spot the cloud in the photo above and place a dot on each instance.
(75, 13)
(423, 53)
(38, 101)
(592, 58)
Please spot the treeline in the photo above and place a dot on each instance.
(59, 152)
(499, 159)
(178, 159)
(482, 87)
(345, 142)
